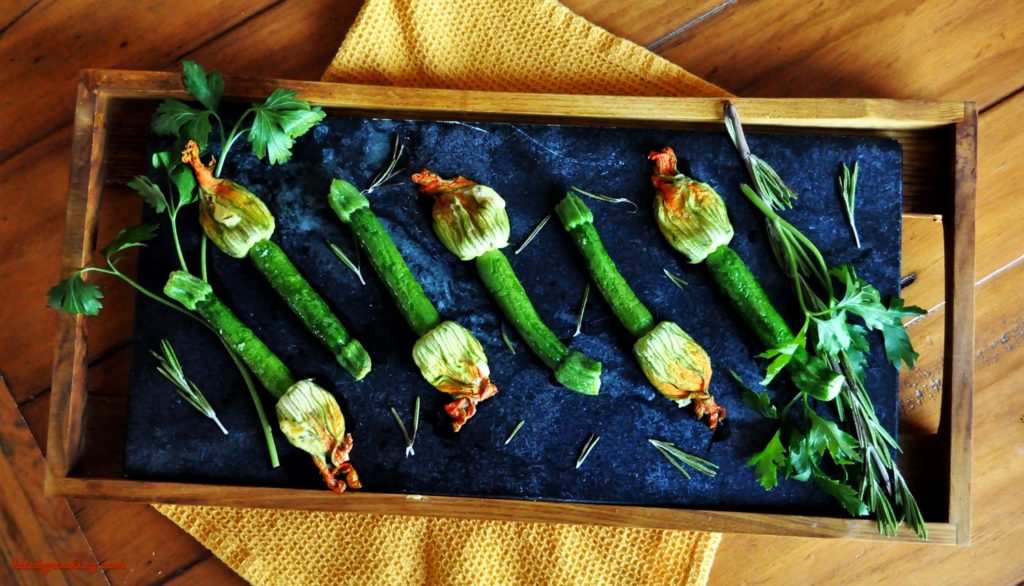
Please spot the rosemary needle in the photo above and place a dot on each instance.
(676, 279)
(533, 234)
(583, 308)
(608, 198)
(587, 448)
(677, 458)
(848, 189)
(515, 430)
(170, 367)
(345, 259)
(508, 342)
(409, 451)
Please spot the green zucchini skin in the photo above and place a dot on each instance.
(579, 223)
(353, 209)
(310, 307)
(198, 296)
(572, 369)
(733, 277)
(809, 373)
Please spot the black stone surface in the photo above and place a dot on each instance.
(531, 166)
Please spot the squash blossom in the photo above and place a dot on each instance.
(469, 218)
(452, 360)
(231, 215)
(691, 215)
(679, 368)
(471, 221)
(312, 421)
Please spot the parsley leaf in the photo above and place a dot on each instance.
(766, 462)
(842, 492)
(833, 333)
(759, 402)
(75, 295)
(781, 356)
(839, 444)
(801, 457)
(279, 121)
(175, 118)
(180, 175)
(207, 89)
(130, 238)
(150, 192)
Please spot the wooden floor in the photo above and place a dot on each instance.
(956, 49)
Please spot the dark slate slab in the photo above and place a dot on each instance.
(531, 165)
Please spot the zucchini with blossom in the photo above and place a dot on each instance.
(448, 355)
(308, 415)
(239, 223)
(693, 219)
(472, 223)
(673, 362)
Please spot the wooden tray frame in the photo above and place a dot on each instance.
(940, 144)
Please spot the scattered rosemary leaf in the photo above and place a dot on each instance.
(515, 430)
(508, 342)
(676, 280)
(529, 239)
(848, 189)
(409, 451)
(172, 371)
(678, 457)
(583, 308)
(415, 419)
(345, 259)
(587, 448)
(390, 171)
(608, 198)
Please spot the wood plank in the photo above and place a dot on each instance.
(1000, 169)
(959, 50)
(208, 571)
(39, 75)
(35, 528)
(645, 22)
(998, 520)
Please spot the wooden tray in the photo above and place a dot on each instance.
(939, 144)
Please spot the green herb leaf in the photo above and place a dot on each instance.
(759, 402)
(843, 493)
(150, 192)
(780, 357)
(279, 121)
(833, 333)
(180, 175)
(175, 118)
(75, 295)
(130, 238)
(170, 368)
(766, 462)
(848, 189)
(207, 89)
(839, 444)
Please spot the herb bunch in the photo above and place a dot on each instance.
(839, 310)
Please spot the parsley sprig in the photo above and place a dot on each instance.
(839, 310)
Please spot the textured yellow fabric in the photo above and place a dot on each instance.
(268, 546)
(511, 45)
(501, 45)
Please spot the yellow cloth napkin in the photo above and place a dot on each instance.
(513, 45)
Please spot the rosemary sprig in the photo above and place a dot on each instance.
(170, 367)
(848, 189)
(507, 340)
(515, 430)
(533, 234)
(587, 448)
(864, 460)
(678, 458)
(390, 171)
(346, 260)
(583, 308)
(676, 279)
(608, 198)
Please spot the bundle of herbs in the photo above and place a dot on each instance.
(863, 475)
